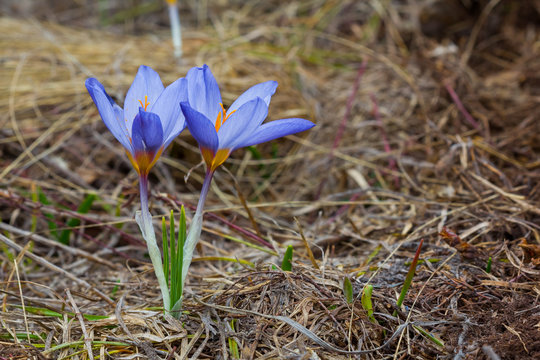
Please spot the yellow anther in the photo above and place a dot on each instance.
(146, 103)
(218, 122)
(222, 115)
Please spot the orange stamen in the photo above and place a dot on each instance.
(218, 122)
(146, 103)
(222, 115)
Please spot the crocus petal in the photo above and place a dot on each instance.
(203, 92)
(168, 109)
(147, 83)
(263, 90)
(242, 123)
(109, 111)
(201, 128)
(276, 129)
(147, 133)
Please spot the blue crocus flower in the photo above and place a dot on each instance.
(219, 131)
(151, 117)
(150, 120)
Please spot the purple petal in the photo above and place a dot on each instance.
(110, 112)
(167, 107)
(147, 133)
(200, 127)
(242, 123)
(147, 83)
(276, 129)
(119, 115)
(263, 90)
(203, 92)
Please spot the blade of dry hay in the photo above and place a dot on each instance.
(308, 333)
(55, 268)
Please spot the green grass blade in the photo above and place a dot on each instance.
(174, 258)
(223, 258)
(118, 211)
(52, 225)
(80, 343)
(409, 277)
(488, 267)
(348, 290)
(52, 313)
(177, 254)
(248, 244)
(233, 346)
(35, 199)
(115, 289)
(22, 336)
(286, 263)
(166, 266)
(431, 337)
(373, 254)
(182, 234)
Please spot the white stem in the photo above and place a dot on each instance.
(176, 30)
(144, 219)
(195, 227)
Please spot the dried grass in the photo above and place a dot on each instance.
(435, 138)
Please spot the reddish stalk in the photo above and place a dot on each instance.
(350, 102)
(344, 121)
(460, 105)
(237, 228)
(343, 208)
(391, 161)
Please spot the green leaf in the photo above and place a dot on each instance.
(7, 252)
(367, 304)
(74, 222)
(286, 264)
(348, 290)
(373, 254)
(115, 289)
(254, 152)
(44, 201)
(52, 313)
(117, 211)
(23, 336)
(177, 260)
(233, 346)
(35, 198)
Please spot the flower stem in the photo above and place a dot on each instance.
(196, 226)
(147, 229)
